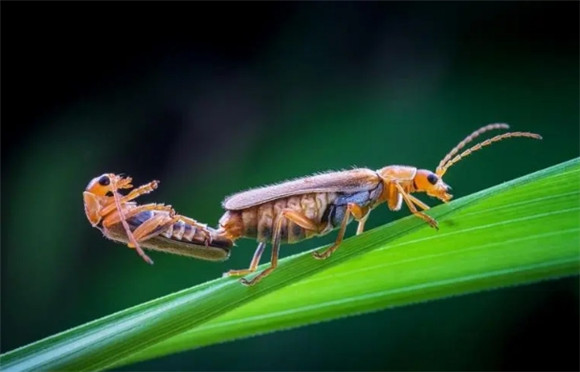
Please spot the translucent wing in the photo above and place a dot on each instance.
(344, 181)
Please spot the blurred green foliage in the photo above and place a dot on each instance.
(214, 99)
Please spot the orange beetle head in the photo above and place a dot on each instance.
(99, 193)
(428, 182)
(106, 184)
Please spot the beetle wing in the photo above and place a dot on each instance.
(344, 181)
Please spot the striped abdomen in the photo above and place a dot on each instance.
(180, 230)
(258, 221)
(179, 238)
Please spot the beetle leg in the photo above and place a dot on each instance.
(410, 203)
(351, 209)
(253, 264)
(153, 227)
(290, 215)
(123, 220)
(115, 218)
(361, 214)
(141, 190)
(147, 229)
(418, 202)
(361, 224)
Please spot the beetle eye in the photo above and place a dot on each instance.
(432, 179)
(104, 181)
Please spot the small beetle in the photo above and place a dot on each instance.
(282, 213)
(155, 226)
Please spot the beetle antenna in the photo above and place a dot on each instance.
(126, 225)
(441, 170)
(468, 139)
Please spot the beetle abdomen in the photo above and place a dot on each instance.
(180, 231)
(258, 222)
(179, 238)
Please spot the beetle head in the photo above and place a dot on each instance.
(428, 182)
(106, 184)
(100, 192)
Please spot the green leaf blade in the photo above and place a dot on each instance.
(518, 232)
(384, 277)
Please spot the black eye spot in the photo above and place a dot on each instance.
(432, 179)
(104, 181)
(109, 193)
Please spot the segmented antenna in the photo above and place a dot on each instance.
(468, 139)
(441, 170)
(125, 183)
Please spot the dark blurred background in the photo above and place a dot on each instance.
(214, 98)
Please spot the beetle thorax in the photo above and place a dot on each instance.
(399, 173)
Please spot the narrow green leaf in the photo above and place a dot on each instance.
(517, 232)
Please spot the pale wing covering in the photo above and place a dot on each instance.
(344, 181)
